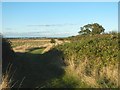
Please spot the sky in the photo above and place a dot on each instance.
(56, 19)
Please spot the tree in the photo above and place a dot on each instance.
(91, 29)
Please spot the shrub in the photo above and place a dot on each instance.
(52, 41)
(92, 58)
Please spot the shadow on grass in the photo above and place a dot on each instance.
(35, 70)
(36, 48)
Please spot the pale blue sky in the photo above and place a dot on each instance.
(47, 19)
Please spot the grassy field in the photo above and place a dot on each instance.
(84, 62)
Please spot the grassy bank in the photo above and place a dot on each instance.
(92, 60)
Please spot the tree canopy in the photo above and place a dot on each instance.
(94, 28)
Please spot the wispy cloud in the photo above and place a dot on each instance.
(43, 30)
(50, 25)
(9, 29)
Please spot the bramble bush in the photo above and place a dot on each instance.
(93, 57)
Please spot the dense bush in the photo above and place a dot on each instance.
(52, 41)
(93, 57)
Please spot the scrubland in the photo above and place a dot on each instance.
(83, 61)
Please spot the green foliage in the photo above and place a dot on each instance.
(67, 81)
(48, 70)
(99, 50)
(92, 47)
(91, 29)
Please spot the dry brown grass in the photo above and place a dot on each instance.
(110, 72)
(5, 82)
(22, 45)
(7, 79)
